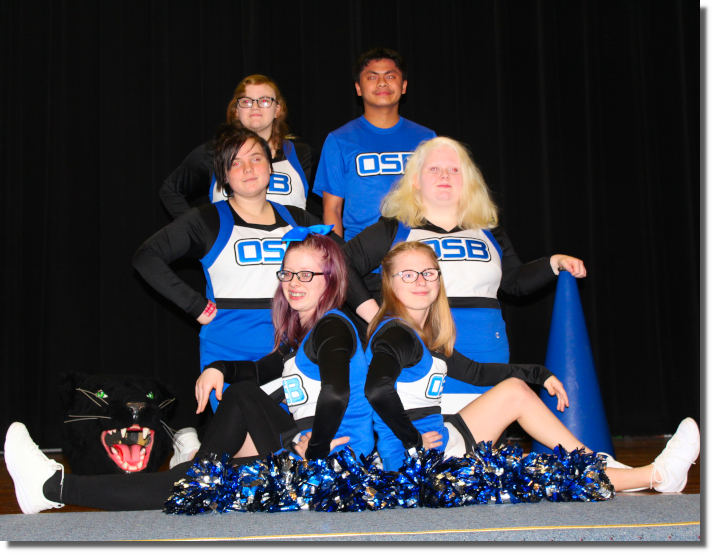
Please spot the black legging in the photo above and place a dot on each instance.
(244, 409)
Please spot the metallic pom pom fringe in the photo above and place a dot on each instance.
(341, 482)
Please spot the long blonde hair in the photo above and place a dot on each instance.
(438, 332)
(476, 209)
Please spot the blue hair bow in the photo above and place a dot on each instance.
(298, 234)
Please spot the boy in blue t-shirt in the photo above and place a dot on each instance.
(361, 160)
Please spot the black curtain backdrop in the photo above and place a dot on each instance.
(582, 114)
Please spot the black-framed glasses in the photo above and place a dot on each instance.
(302, 276)
(263, 102)
(409, 276)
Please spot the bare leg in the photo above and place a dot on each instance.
(513, 400)
(627, 479)
(248, 448)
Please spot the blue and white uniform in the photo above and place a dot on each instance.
(359, 163)
(302, 381)
(289, 183)
(240, 261)
(405, 384)
(475, 265)
(419, 389)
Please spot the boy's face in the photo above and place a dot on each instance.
(381, 84)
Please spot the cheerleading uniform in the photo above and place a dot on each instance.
(323, 384)
(289, 183)
(405, 384)
(239, 260)
(475, 265)
(359, 163)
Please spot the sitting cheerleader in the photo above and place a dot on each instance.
(323, 379)
(410, 353)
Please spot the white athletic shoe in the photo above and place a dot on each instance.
(673, 463)
(611, 463)
(185, 445)
(30, 469)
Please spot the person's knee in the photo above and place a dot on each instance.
(240, 390)
(518, 390)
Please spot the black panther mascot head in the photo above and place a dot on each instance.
(115, 423)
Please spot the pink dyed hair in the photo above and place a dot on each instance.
(287, 326)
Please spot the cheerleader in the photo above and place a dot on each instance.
(323, 378)
(411, 353)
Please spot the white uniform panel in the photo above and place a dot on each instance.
(300, 391)
(470, 264)
(246, 268)
(426, 391)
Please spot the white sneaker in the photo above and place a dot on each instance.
(611, 463)
(30, 469)
(185, 445)
(673, 463)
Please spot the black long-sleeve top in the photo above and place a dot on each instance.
(192, 177)
(193, 235)
(366, 251)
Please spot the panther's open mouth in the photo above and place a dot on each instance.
(129, 448)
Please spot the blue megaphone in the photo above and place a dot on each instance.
(569, 357)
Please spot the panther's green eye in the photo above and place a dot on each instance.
(101, 394)
(149, 395)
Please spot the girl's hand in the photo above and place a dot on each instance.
(566, 262)
(555, 388)
(209, 380)
(432, 439)
(301, 447)
(208, 314)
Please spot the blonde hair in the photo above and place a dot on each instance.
(476, 209)
(438, 332)
(280, 130)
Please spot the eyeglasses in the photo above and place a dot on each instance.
(263, 102)
(408, 276)
(302, 276)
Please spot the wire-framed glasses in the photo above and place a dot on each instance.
(408, 276)
(263, 102)
(302, 276)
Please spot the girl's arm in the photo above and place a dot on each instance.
(490, 374)
(394, 347)
(188, 179)
(215, 375)
(260, 372)
(364, 253)
(191, 235)
(332, 345)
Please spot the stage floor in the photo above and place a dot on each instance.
(631, 451)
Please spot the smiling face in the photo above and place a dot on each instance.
(381, 84)
(304, 297)
(440, 179)
(255, 118)
(418, 296)
(250, 171)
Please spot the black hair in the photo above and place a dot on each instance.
(228, 140)
(379, 53)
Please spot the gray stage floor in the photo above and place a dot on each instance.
(627, 517)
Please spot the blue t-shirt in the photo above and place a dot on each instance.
(359, 162)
